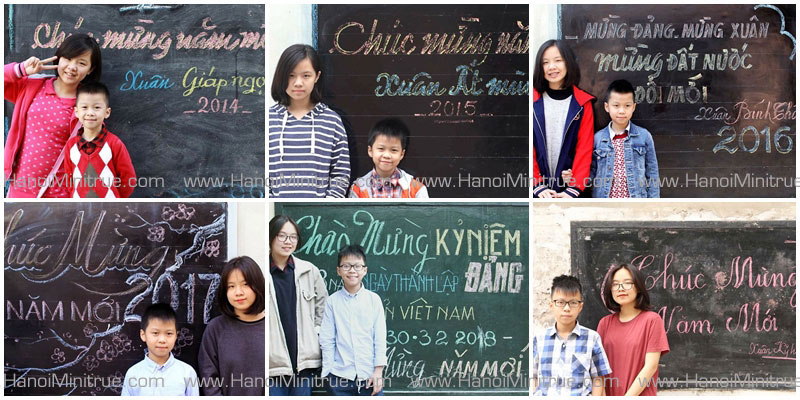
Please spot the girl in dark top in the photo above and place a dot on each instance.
(563, 124)
(232, 349)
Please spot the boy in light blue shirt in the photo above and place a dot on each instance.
(160, 373)
(353, 332)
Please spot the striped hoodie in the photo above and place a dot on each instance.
(307, 157)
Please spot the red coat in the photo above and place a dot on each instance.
(578, 157)
(21, 91)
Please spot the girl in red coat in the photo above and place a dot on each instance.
(563, 124)
(44, 116)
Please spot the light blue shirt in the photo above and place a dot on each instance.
(353, 334)
(174, 378)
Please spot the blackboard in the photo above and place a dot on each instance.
(454, 283)
(715, 85)
(457, 75)
(79, 276)
(186, 82)
(725, 290)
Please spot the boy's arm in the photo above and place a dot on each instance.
(651, 169)
(192, 384)
(379, 355)
(208, 362)
(126, 390)
(340, 166)
(125, 172)
(535, 366)
(327, 337)
(599, 368)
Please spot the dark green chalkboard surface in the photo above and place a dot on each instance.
(715, 85)
(77, 278)
(186, 82)
(454, 283)
(725, 290)
(456, 74)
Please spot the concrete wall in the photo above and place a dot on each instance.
(250, 229)
(550, 232)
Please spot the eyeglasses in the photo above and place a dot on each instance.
(621, 286)
(350, 267)
(562, 303)
(284, 238)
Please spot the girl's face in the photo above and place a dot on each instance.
(72, 70)
(240, 294)
(285, 242)
(554, 67)
(623, 290)
(301, 81)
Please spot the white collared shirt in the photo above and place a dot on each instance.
(353, 334)
(147, 378)
(612, 132)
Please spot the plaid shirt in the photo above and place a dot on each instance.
(386, 188)
(566, 367)
(89, 147)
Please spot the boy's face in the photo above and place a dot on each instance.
(160, 337)
(566, 314)
(352, 270)
(92, 109)
(386, 153)
(620, 108)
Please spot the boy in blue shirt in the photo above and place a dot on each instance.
(624, 163)
(160, 373)
(568, 359)
(353, 332)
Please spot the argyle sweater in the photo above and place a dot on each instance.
(106, 173)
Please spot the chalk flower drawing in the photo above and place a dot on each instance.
(211, 248)
(57, 356)
(156, 234)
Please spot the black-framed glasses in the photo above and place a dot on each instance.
(622, 285)
(572, 303)
(284, 238)
(350, 267)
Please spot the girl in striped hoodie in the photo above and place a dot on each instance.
(308, 152)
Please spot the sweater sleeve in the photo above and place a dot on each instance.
(208, 361)
(124, 169)
(67, 167)
(583, 152)
(321, 297)
(13, 81)
(340, 165)
(538, 181)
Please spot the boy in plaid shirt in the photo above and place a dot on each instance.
(568, 359)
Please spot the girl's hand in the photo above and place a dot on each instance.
(566, 175)
(547, 194)
(34, 65)
(563, 195)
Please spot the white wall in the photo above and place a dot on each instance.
(287, 24)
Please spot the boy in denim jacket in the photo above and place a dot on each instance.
(624, 163)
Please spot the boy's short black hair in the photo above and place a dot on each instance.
(352, 250)
(620, 86)
(77, 44)
(289, 59)
(94, 88)
(391, 127)
(567, 284)
(161, 311)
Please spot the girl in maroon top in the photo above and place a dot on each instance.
(44, 116)
(633, 337)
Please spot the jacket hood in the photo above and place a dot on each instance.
(580, 96)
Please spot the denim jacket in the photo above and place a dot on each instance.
(641, 165)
